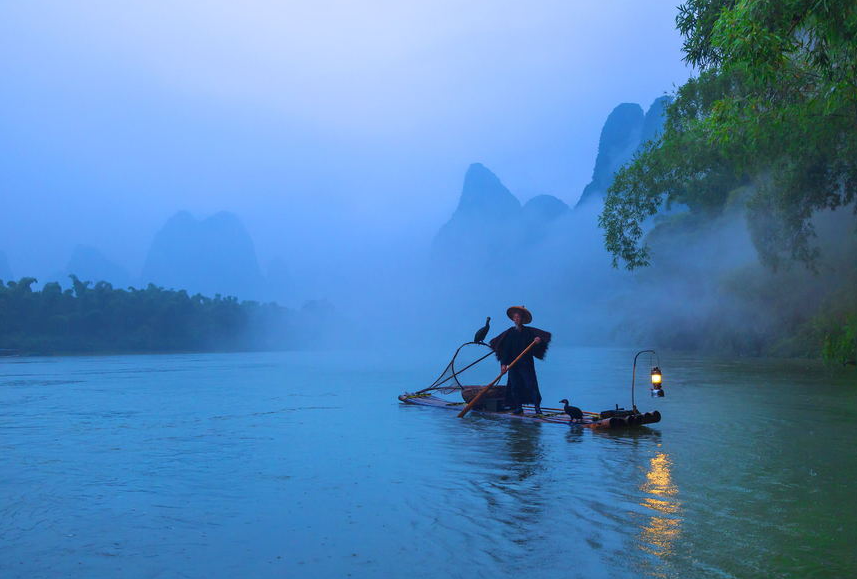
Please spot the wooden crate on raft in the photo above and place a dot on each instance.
(492, 400)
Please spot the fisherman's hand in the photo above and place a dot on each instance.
(503, 367)
(538, 340)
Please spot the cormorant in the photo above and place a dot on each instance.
(479, 338)
(573, 411)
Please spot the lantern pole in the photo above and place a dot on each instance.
(634, 375)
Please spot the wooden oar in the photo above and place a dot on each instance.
(497, 379)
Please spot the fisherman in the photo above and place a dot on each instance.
(523, 386)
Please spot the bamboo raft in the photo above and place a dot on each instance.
(491, 399)
(606, 420)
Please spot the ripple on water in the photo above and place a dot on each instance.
(288, 465)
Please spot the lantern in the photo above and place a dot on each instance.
(657, 382)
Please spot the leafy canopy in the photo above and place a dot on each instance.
(774, 105)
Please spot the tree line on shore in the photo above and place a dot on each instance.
(89, 318)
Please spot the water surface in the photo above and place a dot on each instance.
(305, 465)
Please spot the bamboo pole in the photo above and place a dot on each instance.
(476, 398)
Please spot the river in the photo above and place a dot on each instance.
(305, 465)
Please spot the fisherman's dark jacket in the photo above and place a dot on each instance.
(512, 342)
(523, 385)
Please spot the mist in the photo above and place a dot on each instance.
(318, 155)
(321, 125)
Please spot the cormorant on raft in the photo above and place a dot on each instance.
(479, 338)
(573, 411)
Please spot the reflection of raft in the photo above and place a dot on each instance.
(491, 404)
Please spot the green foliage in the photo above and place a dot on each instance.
(678, 168)
(695, 21)
(840, 344)
(100, 318)
(775, 105)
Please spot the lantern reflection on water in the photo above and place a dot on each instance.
(662, 529)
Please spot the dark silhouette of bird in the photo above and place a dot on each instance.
(573, 411)
(479, 338)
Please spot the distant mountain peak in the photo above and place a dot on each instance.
(89, 264)
(544, 208)
(484, 195)
(211, 255)
(653, 123)
(624, 133)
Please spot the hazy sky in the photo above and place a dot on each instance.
(329, 127)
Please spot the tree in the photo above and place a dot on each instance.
(80, 287)
(101, 318)
(774, 105)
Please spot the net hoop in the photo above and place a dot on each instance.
(438, 384)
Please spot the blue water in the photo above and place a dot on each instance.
(306, 465)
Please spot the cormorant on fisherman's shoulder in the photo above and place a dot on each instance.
(523, 386)
(573, 412)
(479, 338)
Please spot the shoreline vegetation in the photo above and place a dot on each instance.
(765, 129)
(98, 318)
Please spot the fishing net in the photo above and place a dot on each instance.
(466, 367)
